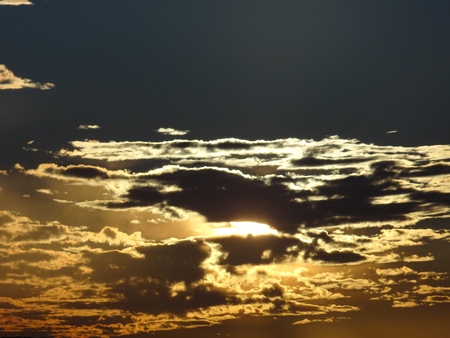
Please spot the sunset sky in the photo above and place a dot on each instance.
(224, 168)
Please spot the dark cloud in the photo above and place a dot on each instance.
(148, 195)
(338, 256)
(80, 171)
(17, 291)
(262, 249)
(268, 249)
(284, 200)
(432, 197)
(179, 262)
(149, 283)
(233, 144)
(223, 196)
(428, 170)
(145, 283)
(273, 291)
(322, 235)
(368, 231)
(156, 298)
(317, 162)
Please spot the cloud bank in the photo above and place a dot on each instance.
(132, 237)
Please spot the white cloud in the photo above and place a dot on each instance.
(285, 154)
(15, 2)
(171, 131)
(9, 81)
(45, 191)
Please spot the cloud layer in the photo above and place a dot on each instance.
(207, 231)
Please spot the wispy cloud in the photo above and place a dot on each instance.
(171, 131)
(9, 81)
(88, 126)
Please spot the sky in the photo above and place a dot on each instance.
(224, 168)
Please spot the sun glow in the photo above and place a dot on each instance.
(246, 228)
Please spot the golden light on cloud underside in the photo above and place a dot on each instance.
(174, 244)
(246, 228)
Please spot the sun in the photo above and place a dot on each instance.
(245, 228)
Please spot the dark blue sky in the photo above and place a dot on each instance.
(252, 69)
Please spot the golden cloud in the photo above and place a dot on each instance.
(9, 81)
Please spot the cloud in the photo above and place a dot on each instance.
(88, 126)
(285, 202)
(269, 156)
(268, 249)
(317, 162)
(182, 283)
(81, 172)
(365, 187)
(178, 262)
(307, 321)
(337, 225)
(9, 81)
(15, 3)
(45, 191)
(171, 131)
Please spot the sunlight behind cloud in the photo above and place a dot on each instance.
(246, 228)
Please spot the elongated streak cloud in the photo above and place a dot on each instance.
(15, 2)
(171, 131)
